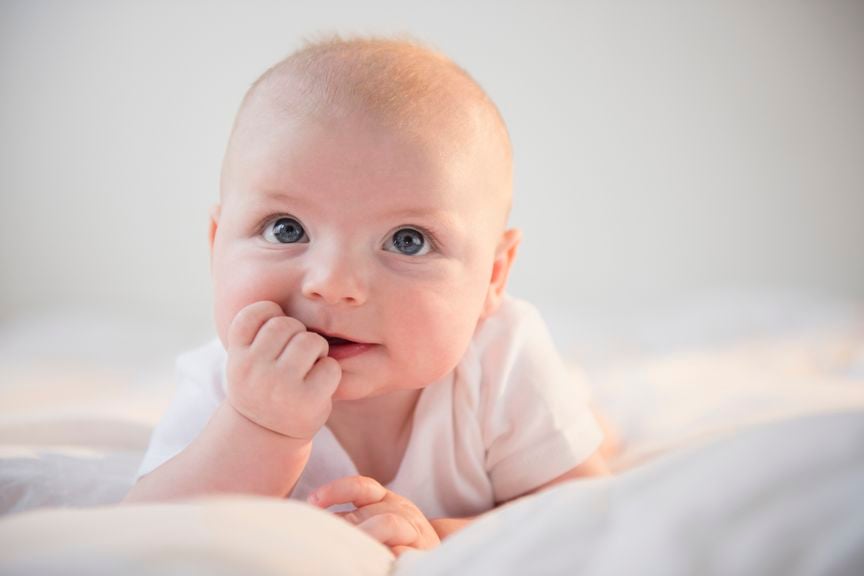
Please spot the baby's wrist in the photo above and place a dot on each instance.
(261, 429)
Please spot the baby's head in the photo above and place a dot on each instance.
(366, 189)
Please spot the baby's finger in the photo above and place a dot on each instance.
(275, 334)
(359, 515)
(249, 320)
(302, 351)
(390, 529)
(358, 490)
(324, 376)
(349, 517)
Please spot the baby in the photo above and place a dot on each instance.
(368, 355)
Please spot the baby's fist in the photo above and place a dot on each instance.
(279, 374)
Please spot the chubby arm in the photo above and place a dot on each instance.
(280, 382)
(595, 465)
(232, 455)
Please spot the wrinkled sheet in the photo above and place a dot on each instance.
(780, 498)
(737, 455)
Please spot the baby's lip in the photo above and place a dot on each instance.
(333, 338)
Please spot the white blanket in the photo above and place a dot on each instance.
(783, 498)
(740, 455)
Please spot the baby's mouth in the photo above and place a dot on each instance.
(342, 348)
(335, 340)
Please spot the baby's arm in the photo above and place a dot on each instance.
(280, 382)
(232, 455)
(595, 465)
(397, 523)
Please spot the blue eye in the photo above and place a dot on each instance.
(410, 242)
(285, 231)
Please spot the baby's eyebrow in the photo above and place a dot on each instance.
(420, 213)
(438, 221)
(429, 213)
(281, 195)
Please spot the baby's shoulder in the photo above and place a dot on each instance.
(516, 322)
(513, 367)
(511, 348)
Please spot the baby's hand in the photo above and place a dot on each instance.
(386, 516)
(279, 374)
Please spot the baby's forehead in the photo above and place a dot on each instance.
(400, 84)
(395, 86)
(316, 156)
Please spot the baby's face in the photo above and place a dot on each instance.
(360, 233)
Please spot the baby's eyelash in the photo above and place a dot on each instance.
(429, 234)
(262, 224)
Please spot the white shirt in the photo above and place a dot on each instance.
(509, 418)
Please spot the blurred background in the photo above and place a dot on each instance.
(665, 152)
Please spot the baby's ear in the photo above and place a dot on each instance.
(215, 210)
(505, 253)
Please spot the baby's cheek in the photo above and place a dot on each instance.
(238, 287)
(227, 303)
(435, 339)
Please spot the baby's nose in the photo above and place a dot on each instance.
(335, 277)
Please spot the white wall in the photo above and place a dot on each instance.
(663, 149)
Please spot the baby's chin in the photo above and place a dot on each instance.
(353, 388)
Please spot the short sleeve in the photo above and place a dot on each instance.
(200, 391)
(534, 410)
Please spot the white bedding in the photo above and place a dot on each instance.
(739, 455)
(776, 499)
(782, 498)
